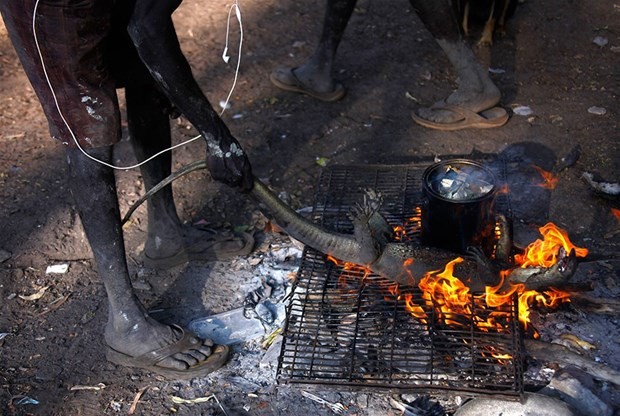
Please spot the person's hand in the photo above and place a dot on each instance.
(228, 162)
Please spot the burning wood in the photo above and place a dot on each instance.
(445, 326)
(537, 271)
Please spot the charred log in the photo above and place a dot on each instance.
(591, 304)
(559, 354)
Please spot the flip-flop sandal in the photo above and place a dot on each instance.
(186, 342)
(285, 79)
(490, 118)
(218, 247)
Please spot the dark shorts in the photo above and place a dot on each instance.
(87, 54)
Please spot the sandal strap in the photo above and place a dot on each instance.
(185, 342)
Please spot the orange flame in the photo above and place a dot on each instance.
(416, 310)
(503, 190)
(446, 292)
(616, 213)
(543, 253)
(454, 304)
(453, 300)
(413, 223)
(550, 181)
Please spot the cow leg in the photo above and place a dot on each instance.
(476, 91)
(129, 330)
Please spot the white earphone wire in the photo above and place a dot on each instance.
(66, 123)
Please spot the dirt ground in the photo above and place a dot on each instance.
(548, 61)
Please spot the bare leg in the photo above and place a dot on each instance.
(316, 74)
(476, 91)
(149, 129)
(169, 242)
(130, 330)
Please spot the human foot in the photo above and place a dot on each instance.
(198, 244)
(293, 80)
(461, 118)
(175, 354)
(465, 108)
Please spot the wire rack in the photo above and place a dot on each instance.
(355, 330)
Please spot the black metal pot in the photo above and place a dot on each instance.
(457, 207)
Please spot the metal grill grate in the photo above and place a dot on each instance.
(349, 330)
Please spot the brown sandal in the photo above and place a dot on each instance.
(215, 246)
(285, 79)
(186, 342)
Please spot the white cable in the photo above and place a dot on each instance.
(49, 84)
(225, 55)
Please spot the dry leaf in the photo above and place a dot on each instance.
(35, 296)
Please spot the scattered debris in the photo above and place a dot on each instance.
(227, 328)
(598, 111)
(600, 185)
(570, 340)
(421, 406)
(600, 41)
(569, 160)
(205, 399)
(337, 408)
(25, 400)
(57, 269)
(411, 97)
(523, 110)
(497, 70)
(322, 161)
(97, 387)
(38, 295)
(57, 303)
(136, 399)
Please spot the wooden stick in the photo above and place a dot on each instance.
(545, 351)
(604, 306)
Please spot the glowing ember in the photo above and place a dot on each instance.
(411, 225)
(550, 181)
(616, 213)
(503, 190)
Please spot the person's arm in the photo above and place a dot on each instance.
(153, 33)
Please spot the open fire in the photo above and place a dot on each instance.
(439, 330)
(451, 296)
